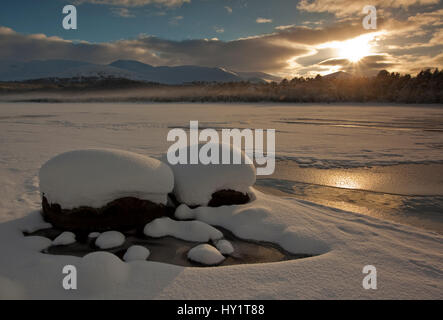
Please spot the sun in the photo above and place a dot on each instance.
(355, 49)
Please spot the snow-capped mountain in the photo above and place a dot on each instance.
(129, 69)
(39, 69)
(176, 75)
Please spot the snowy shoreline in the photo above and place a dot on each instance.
(408, 260)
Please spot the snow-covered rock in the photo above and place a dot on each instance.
(94, 177)
(135, 253)
(64, 239)
(93, 235)
(194, 184)
(224, 246)
(183, 212)
(110, 239)
(205, 254)
(197, 231)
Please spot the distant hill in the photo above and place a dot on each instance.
(254, 76)
(38, 69)
(127, 69)
(338, 75)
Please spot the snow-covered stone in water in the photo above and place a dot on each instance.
(213, 184)
(183, 212)
(110, 239)
(64, 239)
(224, 246)
(93, 235)
(135, 253)
(104, 189)
(205, 254)
(186, 230)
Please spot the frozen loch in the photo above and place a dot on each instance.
(338, 244)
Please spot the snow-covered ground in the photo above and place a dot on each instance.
(409, 260)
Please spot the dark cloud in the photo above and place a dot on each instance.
(269, 52)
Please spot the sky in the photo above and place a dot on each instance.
(287, 38)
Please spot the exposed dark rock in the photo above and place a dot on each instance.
(228, 198)
(121, 214)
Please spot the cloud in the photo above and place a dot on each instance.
(219, 29)
(269, 53)
(228, 9)
(343, 8)
(285, 27)
(122, 12)
(288, 51)
(263, 20)
(175, 20)
(135, 3)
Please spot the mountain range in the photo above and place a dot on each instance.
(128, 69)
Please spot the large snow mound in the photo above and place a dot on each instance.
(186, 230)
(94, 177)
(205, 254)
(194, 184)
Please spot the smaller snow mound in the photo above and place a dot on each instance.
(205, 254)
(224, 246)
(110, 239)
(64, 239)
(93, 235)
(194, 184)
(95, 177)
(135, 253)
(186, 230)
(183, 212)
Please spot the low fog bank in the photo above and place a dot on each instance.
(426, 87)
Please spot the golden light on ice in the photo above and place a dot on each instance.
(346, 182)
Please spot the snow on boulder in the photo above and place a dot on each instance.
(135, 253)
(213, 184)
(186, 230)
(103, 189)
(205, 254)
(110, 239)
(224, 246)
(94, 177)
(64, 239)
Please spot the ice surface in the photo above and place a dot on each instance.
(135, 253)
(224, 246)
(110, 239)
(95, 177)
(205, 254)
(194, 184)
(186, 230)
(64, 239)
